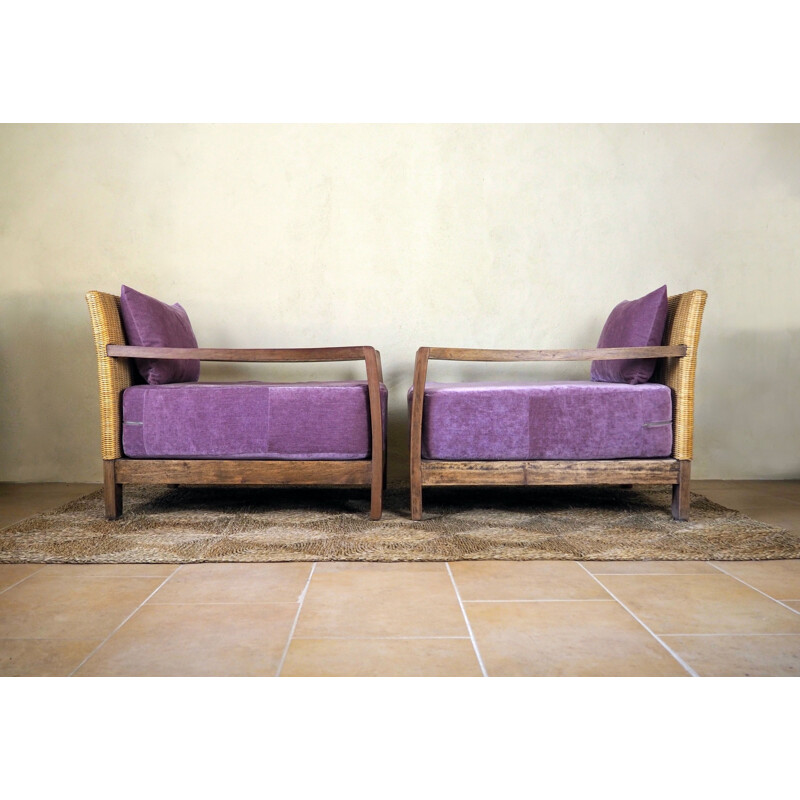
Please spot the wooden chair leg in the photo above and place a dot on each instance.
(680, 492)
(112, 491)
(416, 494)
(376, 487)
(416, 503)
(415, 431)
(376, 499)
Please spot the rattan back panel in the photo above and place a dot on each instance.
(683, 327)
(114, 374)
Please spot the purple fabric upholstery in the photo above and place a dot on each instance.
(150, 323)
(632, 323)
(254, 420)
(568, 420)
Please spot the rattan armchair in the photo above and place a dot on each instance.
(116, 372)
(677, 361)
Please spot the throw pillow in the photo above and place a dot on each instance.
(632, 323)
(150, 323)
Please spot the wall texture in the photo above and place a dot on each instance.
(400, 235)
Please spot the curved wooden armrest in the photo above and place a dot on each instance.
(242, 355)
(596, 354)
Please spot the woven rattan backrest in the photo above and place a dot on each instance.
(683, 327)
(114, 374)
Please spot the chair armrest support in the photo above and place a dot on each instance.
(287, 355)
(597, 354)
(415, 430)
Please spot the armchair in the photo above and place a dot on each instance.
(323, 433)
(561, 433)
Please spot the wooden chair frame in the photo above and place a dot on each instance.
(676, 369)
(116, 373)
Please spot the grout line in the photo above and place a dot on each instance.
(296, 618)
(549, 600)
(232, 603)
(135, 610)
(22, 580)
(377, 638)
(749, 586)
(466, 620)
(730, 634)
(648, 629)
(653, 574)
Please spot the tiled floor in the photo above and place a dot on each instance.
(427, 619)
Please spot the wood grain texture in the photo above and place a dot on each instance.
(680, 492)
(415, 431)
(263, 473)
(596, 354)
(552, 473)
(376, 429)
(288, 355)
(112, 491)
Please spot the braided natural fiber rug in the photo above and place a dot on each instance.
(193, 524)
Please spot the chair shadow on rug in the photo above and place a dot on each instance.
(194, 524)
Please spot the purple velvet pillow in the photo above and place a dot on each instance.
(150, 323)
(633, 323)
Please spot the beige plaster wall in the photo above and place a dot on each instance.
(397, 236)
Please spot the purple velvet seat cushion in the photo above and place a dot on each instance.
(150, 323)
(632, 323)
(252, 420)
(571, 420)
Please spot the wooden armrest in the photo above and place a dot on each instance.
(241, 355)
(597, 354)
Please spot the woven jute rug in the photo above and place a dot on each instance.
(196, 524)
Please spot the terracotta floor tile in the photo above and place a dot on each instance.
(788, 489)
(700, 604)
(365, 600)
(42, 657)
(235, 583)
(109, 570)
(784, 516)
(729, 495)
(21, 500)
(746, 495)
(725, 656)
(14, 573)
(45, 495)
(648, 567)
(60, 607)
(736, 494)
(778, 579)
(381, 657)
(525, 580)
(579, 638)
(197, 639)
(703, 485)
